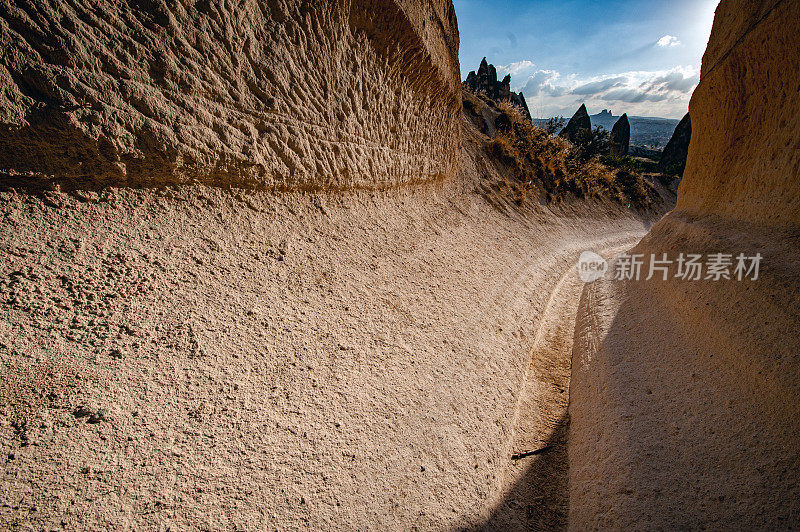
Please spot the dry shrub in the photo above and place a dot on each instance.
(555, 168)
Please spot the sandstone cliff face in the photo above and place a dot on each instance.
(744, 160)
(278, 94)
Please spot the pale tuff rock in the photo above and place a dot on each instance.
(744, 159)
(285, 94)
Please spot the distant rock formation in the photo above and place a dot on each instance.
(580, 121)
(605, 113)
(673, 159)
(621, 136)
(485, 82)
(285, 95)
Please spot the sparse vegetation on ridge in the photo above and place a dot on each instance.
(553, 168)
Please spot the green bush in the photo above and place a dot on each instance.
(554, 125)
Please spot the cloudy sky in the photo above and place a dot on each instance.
(640, 57)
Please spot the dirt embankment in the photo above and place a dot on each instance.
(684, 393)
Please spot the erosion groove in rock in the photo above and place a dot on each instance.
(744, 158)
(277, 94)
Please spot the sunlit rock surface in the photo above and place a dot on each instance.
(284, 94)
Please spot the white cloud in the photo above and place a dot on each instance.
(544, 81)
(668, 41)
(625, 95)
(644, 93)
(520, 68)
(681, 80)
(601, 85)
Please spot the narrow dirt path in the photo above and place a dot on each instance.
(533, 491)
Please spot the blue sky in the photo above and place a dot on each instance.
(636, 57)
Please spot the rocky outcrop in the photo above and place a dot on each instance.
(485, 82)
(290, 94)
(580, 122)
(621, 136)
(673, 158)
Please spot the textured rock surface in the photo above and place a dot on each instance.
(684, 393)
(673, 158)
(745, 161)
(485, 82)
(580, 121)
(621, 136)
(281, 361)
(285, 93)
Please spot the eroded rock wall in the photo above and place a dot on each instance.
(684, 391)
(276, 94)
(744, 159)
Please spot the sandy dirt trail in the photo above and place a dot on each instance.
(673, 423)
(533, 490)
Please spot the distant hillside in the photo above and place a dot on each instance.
(645, 130)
